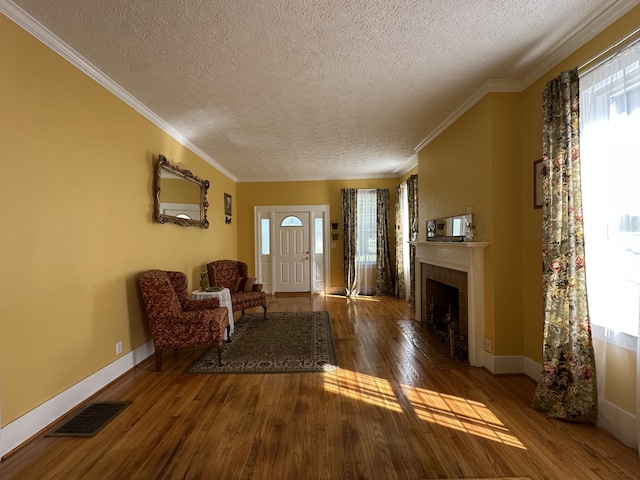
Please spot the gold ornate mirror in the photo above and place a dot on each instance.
(181, 197)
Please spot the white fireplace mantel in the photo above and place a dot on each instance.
(466, 257)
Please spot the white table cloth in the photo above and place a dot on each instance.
(224, 297)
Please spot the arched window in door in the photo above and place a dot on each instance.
(291, 221)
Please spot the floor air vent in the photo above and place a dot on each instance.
(90, 420)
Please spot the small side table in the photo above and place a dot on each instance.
(224, 297)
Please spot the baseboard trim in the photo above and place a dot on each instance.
(620, 423)
(511, 365)
(532, 369)
(503, 364)
(30, 424)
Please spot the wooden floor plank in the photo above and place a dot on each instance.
(390, 412)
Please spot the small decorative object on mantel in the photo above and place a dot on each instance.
(447, 229)
(470, 226)
(431, 228)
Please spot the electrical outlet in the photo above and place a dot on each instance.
(487, 344)
(118, 348)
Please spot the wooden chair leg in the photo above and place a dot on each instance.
(228, 333)
(219, 347)
(265, 311)
(158, 360)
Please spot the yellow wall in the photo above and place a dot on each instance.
(455, 171)
(76, 190)
(73, 247)
(485, 158)
(473, 163)
(302, 193)
(504, 255)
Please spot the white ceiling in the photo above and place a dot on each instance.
(312, 89)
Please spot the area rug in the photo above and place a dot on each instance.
(286, 342)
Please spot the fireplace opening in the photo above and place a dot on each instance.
(444, 308)
(443, 317)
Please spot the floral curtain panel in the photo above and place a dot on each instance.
(412, 193)
(404, 233)
(384, 283)
(384, 279)
(349, 229)
(567, 386)
(400, 235)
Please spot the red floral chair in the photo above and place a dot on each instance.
(234, 275)
(174, 319)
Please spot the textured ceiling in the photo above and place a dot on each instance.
(312, 89)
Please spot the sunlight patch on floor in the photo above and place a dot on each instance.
(445, 410)
(371, 390)
(460, 414)
(364, 298)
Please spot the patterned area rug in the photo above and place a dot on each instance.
(286, 342)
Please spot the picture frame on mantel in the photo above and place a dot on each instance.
(538, 194)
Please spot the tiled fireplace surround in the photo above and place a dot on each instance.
(451, 278)
(460, 265)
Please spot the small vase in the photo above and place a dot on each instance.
(470, 227)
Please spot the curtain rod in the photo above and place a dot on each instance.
(604, 55)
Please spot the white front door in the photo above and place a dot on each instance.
(292, 247)
(268, 241)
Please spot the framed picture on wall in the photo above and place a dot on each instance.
(538, 196)
(227, 204)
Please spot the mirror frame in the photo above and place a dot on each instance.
(440, 234)
(164, 164)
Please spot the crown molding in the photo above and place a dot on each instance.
(323, 178)
(490, 86)
(39, 31)
(581, 35)
(410, 166)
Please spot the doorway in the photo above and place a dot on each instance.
(291, 248)
(291, 252)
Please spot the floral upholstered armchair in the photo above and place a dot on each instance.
(234, 275)
(175, 321)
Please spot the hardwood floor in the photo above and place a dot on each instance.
(390, 412)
